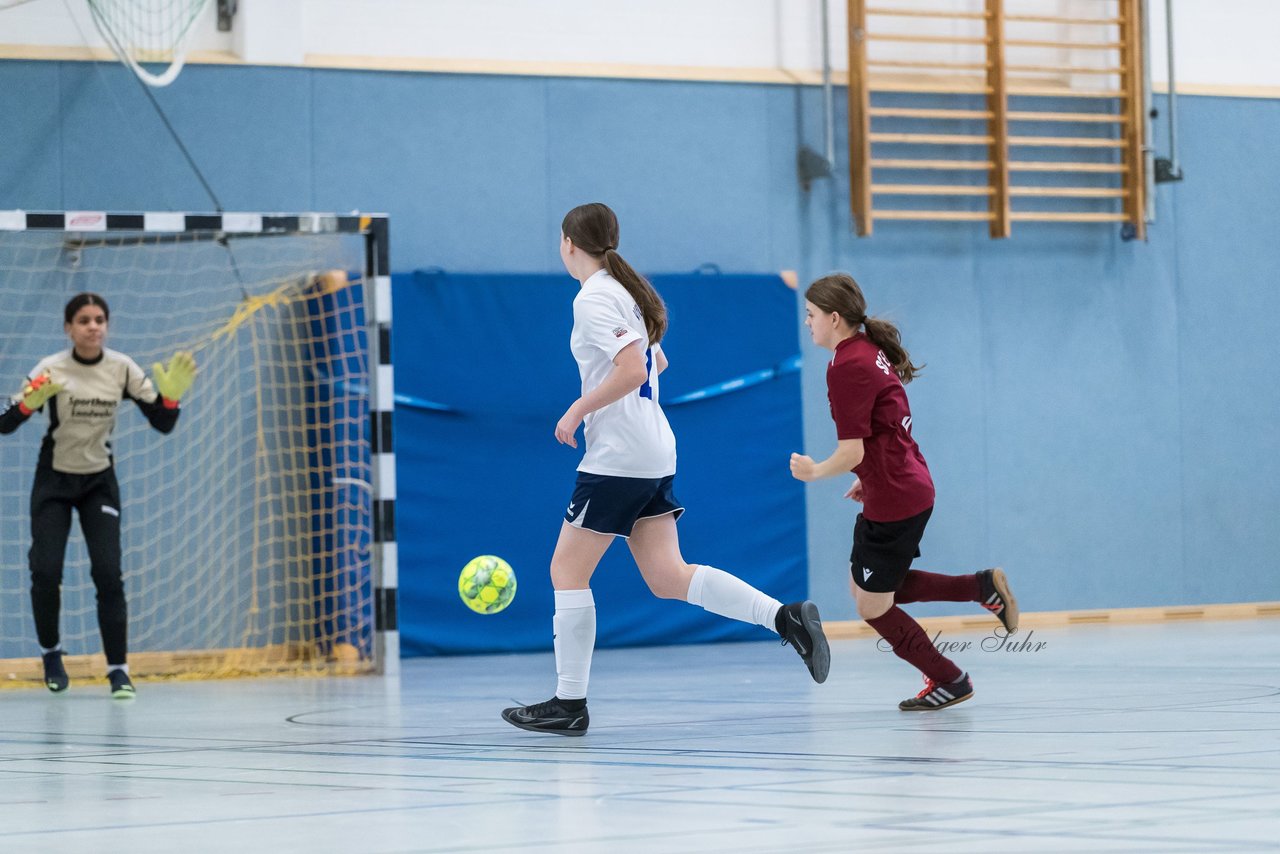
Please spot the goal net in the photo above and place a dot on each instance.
(247, 532)
(149, 32)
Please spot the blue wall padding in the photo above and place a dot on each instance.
(491, 479)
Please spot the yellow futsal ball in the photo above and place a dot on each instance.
(487, 584)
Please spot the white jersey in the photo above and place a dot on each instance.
(629, 437)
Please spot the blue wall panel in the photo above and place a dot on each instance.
(1229, 328)
(681, 167)
(30, 132)
(460, 164)
(249, 131)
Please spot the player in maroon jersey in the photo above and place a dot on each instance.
(865, 386)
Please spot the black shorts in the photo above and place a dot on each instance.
(883, 551)
(611, 505)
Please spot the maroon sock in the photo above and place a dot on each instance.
(913, 646)
(921, 586)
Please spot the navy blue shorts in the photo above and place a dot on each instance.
(611, 505)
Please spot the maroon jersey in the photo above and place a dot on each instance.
(869, 403)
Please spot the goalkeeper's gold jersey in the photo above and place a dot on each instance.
(82, 415)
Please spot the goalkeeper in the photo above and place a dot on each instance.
(81, 389)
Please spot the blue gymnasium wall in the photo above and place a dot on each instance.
(1099, 415)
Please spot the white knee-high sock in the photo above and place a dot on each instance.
(729, 596)
(575, 636)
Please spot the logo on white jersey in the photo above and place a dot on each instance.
(882, 362)
(619, 331)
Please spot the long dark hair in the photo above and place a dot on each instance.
(593, 228)
(839, 293)
(79, 301)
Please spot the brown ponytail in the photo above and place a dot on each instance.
(593, 228)
(840, 294)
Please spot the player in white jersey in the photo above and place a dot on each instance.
(625, 479)
(81, 388)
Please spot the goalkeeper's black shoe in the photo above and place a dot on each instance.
(121, 686)
(800, 626)
(554, 716)
(55, 675)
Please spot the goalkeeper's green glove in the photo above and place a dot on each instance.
(174, 382)
(37, 392)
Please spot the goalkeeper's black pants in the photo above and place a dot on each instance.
(96, 499)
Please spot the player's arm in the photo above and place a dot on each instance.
(847, 456)
(628, 373)
(159, 416)
(35, 394)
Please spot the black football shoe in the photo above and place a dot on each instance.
(55, 674)
(553, 716)
(799, 625)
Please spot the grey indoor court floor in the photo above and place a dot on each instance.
(1105, 738)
